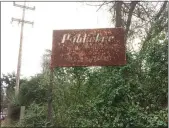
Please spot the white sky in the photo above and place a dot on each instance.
(47, 17)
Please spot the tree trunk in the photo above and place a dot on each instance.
(118, 9)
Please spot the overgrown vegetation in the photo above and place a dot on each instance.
(130, 96)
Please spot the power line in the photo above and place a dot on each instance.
(22, 21)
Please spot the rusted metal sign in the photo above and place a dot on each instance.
(88, 47)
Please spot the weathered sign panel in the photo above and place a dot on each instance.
(88, 47)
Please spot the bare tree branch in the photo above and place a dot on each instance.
(110, 9)
(94, 5)
(144, 9)
(100, 6)
(151, 34)
(104, 3)
(157, 21)
(132, 7)
(161, 10)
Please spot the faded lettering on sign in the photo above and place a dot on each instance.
(88, 47)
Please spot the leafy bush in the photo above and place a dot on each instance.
(35, 116)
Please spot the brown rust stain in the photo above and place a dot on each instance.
(88, 47)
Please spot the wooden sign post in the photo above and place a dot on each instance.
(87, 47)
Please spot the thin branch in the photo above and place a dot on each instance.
(100, 6)
(144, 9)
(93, 5)
(161, 10)
(110, 9)
(150, 34)
(132, 7)
(125, 4)
(104, 3)
(135, 14)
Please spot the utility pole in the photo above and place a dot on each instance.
(22, 21)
